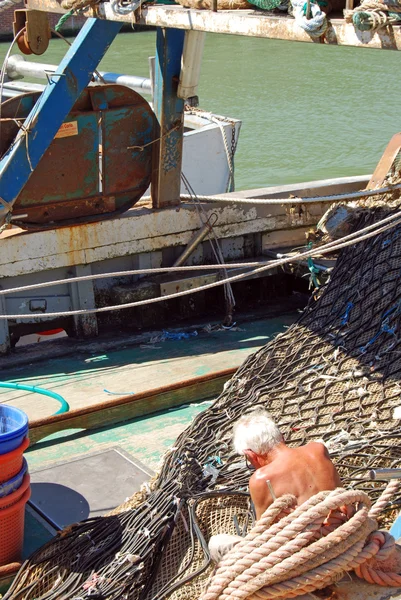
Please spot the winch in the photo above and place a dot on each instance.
(98, 164)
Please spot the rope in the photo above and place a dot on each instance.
(373, 20)
(385, 498)
(348, 240)
(290, 557)
(216, 249)
(373, 14)
(315, 26)
(77, 4)
(63, 19)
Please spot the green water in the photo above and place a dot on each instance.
(309, 111)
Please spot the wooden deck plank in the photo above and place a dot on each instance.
(124, 409)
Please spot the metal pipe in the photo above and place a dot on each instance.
(17, 68)
(385, 474)
(269, 485)
(193, 243)
(21, 87)
(12, 89)
(6, 94)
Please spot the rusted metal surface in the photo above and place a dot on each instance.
(56, 102)
(169, 109)
(127, 159)
(386, 162)
(242, 22)
(65, 188)
(14, 108)
(36, 35)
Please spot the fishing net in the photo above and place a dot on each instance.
(267, 4)
(334, 375)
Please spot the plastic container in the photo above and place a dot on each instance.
(13, 428)
(12, 521)
(11, 463)
(11, 485)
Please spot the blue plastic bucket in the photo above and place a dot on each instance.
(13, 428)
(13, 484)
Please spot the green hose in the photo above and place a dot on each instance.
(37, 390)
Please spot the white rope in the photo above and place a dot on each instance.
(348, 240)
(230, 181)
(150, 271)
(214, 244)
(316, 25)
(296, 200)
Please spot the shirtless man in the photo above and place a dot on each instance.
(303, 471)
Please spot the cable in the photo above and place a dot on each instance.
(326, 249)
(154, 270)
(296, 200)
(4, 66)
(64, 408)
(150, 271)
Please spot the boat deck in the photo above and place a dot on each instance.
(94, 373)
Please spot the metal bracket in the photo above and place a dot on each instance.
(34, 29)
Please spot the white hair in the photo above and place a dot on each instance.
(256, 431)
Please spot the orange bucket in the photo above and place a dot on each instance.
(11, 463)
(12, 520)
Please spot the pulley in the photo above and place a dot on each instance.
(32, 30)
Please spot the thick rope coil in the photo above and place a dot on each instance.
(317, 25)
(373, 14)
(76, 5)
(312, 547)
(388, 493)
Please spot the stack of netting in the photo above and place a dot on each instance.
(334, 375)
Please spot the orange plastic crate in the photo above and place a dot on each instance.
(12, 521)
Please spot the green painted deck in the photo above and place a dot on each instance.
(85, 379)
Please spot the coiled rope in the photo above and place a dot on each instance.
(310, 548)
(316, 25)
(374, 14)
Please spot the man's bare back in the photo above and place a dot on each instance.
(302, 471)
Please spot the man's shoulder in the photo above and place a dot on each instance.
(317, 447)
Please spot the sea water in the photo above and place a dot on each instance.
(309, 111)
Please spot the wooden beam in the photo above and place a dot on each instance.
(241, 22)
(130, 407)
